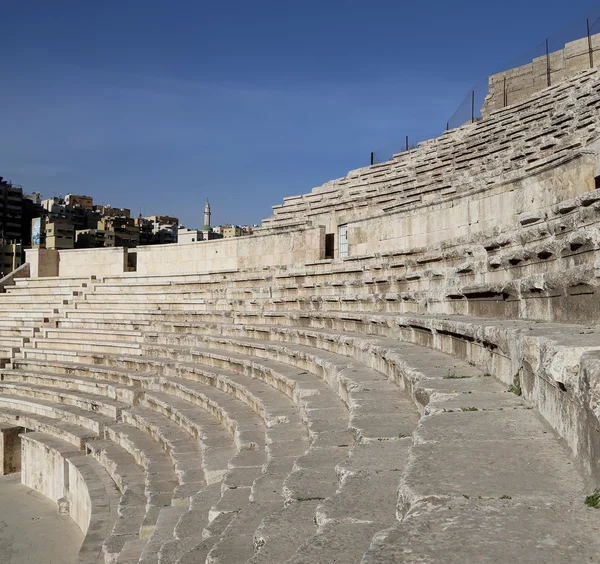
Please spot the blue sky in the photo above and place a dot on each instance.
(157, 105)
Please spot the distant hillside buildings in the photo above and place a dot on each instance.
(76, 222)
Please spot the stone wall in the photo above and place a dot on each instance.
(299, 246)
(80, 502)
(258, 251)
(42, 262)
(485, 210)
(518, 84)
(43, 468)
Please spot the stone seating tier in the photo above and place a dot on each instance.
(125, 377)
(551, 125)
(337, 410)
(544, 268)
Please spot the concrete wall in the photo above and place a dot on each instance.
(472, 214)
(521, 82)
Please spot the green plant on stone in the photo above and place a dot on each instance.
(516, 388)
(469, 409)
(455, 377)
(593, 500)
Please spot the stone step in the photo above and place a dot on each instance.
(76, 345)
(39, 314)
(95, 422)
(163, 532)
(101, 515)
(364, 503)
(54, 282)
(139, 507)
(86, 402)
(500, 490)
(216, 402)
(67, 432)
(185, 453)
(130, 395)
(271, 405)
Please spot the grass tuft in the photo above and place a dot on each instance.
(593, 500)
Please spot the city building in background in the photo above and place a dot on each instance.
(127, 234)
(185, 235)
(11, 212)
(10, 257)
(49, 232)
(86, 202)
(74, 221)
(94, 238)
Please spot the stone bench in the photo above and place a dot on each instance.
(482, 150)
(292, 487)
(217, 507)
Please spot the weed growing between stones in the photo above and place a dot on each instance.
(455, 377)
(469, 409)
(593, 500)
(516, 389)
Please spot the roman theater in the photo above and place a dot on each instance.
(401, 366)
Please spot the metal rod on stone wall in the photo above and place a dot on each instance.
(505, 100)
(472, 106)
(591, 51)
(372, 158)
(547, 63)
(407, 142)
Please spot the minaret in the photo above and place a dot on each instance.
(207, 213)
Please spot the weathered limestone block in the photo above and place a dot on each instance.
(528, 218)
(44, 466)
(10, 449)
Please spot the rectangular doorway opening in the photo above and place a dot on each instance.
(329, 245)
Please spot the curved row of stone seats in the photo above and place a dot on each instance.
(553, 365)
(29, 391)
(551, 125)
(329, 410)
(344, 322)
(136, 418)
(231, 339)
(482, 395)
(531, 271)
(92, 497)
(292, 513)
(302, 450)
(118, 464)
(51, 283)
(135, 462)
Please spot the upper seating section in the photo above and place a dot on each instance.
(513, 142)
